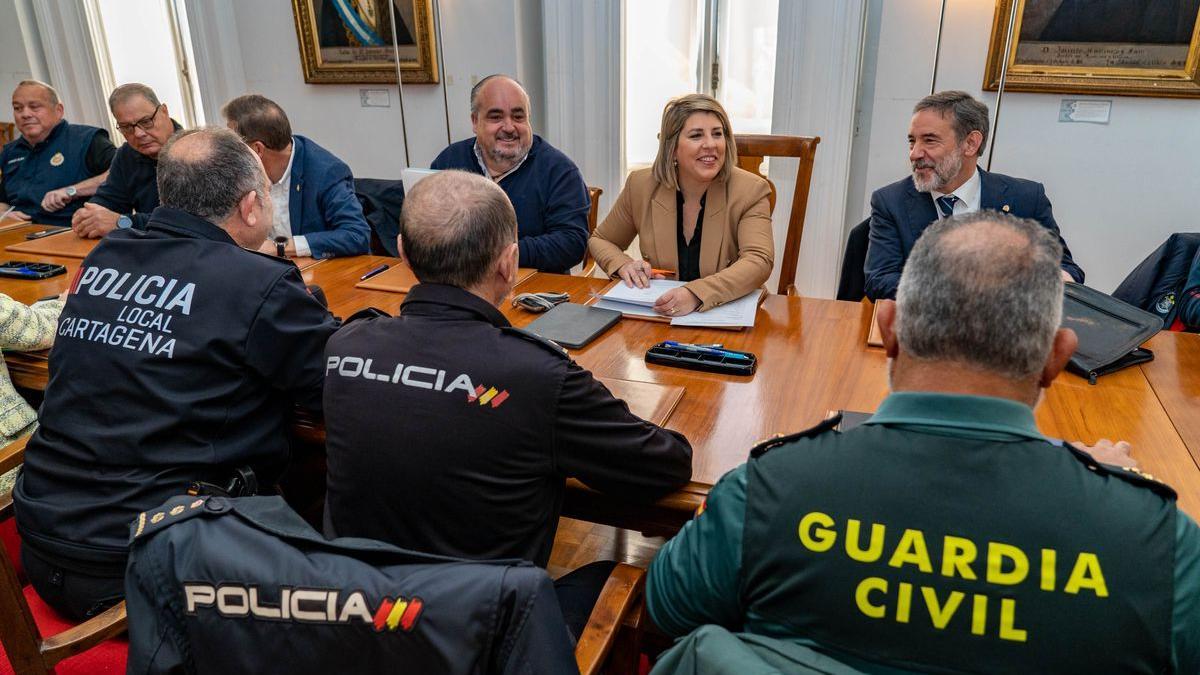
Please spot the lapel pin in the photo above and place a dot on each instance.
(1005, 208)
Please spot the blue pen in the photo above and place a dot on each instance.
(705, 350)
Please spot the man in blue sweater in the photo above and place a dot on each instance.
(544, 185)
(130, 193)
(316, 211)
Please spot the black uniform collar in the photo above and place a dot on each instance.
(182, 223)
(447, 301)
(60, 128)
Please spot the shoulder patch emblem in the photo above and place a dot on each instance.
(57, 159)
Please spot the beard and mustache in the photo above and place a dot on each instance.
(943, 171)
(501, 155)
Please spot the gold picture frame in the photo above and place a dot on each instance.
(1133, 48)
(350, 41)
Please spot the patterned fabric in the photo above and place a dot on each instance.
(945, 204)
(22, 328)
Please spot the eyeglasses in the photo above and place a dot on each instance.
(145, 124)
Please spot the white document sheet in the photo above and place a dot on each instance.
(639, 301)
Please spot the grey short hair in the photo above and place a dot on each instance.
(127, 91)
(983, 289)
(967, 114)
(453, 226)
(206, 172)
(51, 91)
(479, 87)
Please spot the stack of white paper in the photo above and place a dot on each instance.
(640, 302)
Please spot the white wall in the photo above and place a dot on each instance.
(480, 37)
(14, 65)
(1118, 189)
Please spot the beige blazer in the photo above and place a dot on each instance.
(22, 328)
(737, 249)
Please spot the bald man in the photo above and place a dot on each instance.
(48, 172)
(450, 431)
(544, 185)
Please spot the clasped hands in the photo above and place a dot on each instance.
(675, 302)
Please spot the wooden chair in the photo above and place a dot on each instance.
(8, 132)
(589, 263)
(751, 149)
(613, 628)
(28, 652)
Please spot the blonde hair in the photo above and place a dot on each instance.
(675, 115)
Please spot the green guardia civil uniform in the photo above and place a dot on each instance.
(945, 534)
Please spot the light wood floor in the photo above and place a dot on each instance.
(579, 542)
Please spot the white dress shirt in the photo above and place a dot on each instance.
(967, 193)
(281, 197)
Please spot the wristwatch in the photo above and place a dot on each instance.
(281, 246)
(71, 191)
(124, 222)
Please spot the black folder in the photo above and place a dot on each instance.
(573, 326)
(1110, 332)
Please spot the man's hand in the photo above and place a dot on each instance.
(18, 215)
(1066, 276)
(268, 247)
(676, 302)
(1107, 452)
(93, 221)
(55, 200)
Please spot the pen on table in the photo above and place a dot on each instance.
(705, 350)
(5, 214)
(373, 272)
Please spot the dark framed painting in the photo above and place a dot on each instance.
(1109, 47)
(355, 42)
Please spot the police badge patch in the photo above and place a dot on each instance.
(1165, 303)
(57, 159)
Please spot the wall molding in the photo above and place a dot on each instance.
(583, 88)
(816, 80)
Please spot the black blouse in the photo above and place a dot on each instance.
(689, 252)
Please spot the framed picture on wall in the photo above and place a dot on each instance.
(1112, 47)
(351, 41)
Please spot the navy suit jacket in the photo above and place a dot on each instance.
(322, 205)
(899, 214)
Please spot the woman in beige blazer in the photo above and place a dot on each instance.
(695, 214)
(22, 328)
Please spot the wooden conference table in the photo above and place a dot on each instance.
(813, 358)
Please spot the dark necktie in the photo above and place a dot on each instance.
(946, 204)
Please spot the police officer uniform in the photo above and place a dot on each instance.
(449, 431)
(945, 534)
(178, 358)
(69, 154)
(259, 591)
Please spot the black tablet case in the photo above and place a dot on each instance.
(574, 326)
(1110, 332)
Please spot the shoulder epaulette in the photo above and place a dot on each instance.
(763, 447)
(366, 313)
(536, 339)
(1128, 474)
(175, 510)
(272, 256)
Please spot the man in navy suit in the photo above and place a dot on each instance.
(316, 211)
(947, 135)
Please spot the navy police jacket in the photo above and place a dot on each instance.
(65, 157)
(244, 585)
(447, 430)
(179, 356)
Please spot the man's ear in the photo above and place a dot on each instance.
(400, 246)
(972, 143)
(245, 208)
(885, 314)
(508, 262)
(1065, 342)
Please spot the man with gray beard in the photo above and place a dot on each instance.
(947, 135)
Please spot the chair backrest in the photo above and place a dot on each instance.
(751, 149)
(854, 279)
(27, 651)
(8, 132)
(382, 201)
(589, 264)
